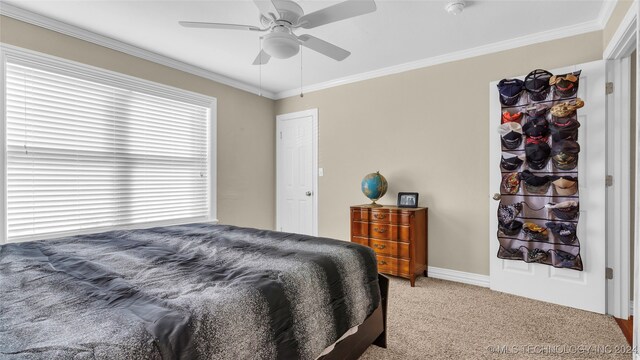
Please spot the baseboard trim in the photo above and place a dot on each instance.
(458, 276)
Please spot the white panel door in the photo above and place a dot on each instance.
(579, 289)
(296, 172)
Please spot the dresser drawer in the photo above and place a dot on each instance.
(392, 248)
(402, 217)
(390, 217)
(359, 215)
(382, 216)
(389, 232)
(359, 228)
(391, 265)
(360, 240)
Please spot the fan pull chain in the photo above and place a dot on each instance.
(301, 94)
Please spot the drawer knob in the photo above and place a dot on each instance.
(382, 262)
(379, 216)
(379, 246)
(379, 230)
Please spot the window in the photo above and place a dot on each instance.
(89, 150)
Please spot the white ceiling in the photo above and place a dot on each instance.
(398, 32)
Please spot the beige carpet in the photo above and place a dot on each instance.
(446, 320)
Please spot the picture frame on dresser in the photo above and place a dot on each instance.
(408, 199)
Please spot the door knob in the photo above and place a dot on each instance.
(497, 196)
(308, 193)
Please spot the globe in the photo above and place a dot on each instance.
(374, 186)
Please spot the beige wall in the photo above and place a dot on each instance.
(620, 10)
(426, 130)
(245, 144)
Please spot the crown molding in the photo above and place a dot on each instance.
(531, 39)
(623, 40)
(605, 12)
(86, 35)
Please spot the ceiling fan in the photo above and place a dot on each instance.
(282, 17)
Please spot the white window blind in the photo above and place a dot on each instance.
(85, 154)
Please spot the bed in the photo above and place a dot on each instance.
(196, 291)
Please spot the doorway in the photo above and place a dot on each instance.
(297, 172)
(622, 172)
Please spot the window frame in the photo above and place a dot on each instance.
(87, 72)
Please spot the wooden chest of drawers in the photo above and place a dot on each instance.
(397, 235)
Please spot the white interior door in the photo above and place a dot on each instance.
(297, 172)
(579, 289)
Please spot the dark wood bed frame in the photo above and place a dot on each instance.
(372, 331)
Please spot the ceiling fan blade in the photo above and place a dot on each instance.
(262, 58)
(267, 9)
(337, 12)
(207, 25)
(323, 47)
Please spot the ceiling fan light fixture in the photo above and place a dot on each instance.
(281, 45)
(455, 7)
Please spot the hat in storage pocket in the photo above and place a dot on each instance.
(564, 154)
(566, 108)
(510, 229)
(510, 91)
(536, 255)
(566, 210)
(565, 85)
(508, 213)
(537, 84)
(567, 260)
(565, 232)
(513, 254)
(511, 163)
(535, 232)
(511, 183)
(566, 186)
(536, 127)
(564, 129)
(537, 155)
(511, 117)
(535, 184)
(537, 110)
(511, 135)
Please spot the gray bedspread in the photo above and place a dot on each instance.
(197, 291)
